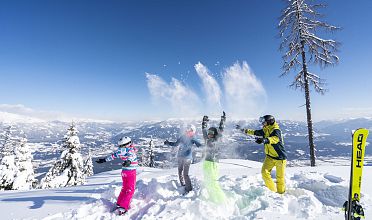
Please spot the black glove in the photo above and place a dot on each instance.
(262, 140)
(166, 142)
(223, 116)
(126, 163)
(101, 160)
(205, 121)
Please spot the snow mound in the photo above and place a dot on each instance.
(308, 195)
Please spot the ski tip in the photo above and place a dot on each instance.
(360, 129)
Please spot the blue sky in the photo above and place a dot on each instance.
(90, 58)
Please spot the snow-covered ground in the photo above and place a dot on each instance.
(312, 193)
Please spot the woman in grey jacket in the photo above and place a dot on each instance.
(184, 155)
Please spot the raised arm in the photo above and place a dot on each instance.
(204, 127)
(254, 132)
(250, 131)
(222, 122)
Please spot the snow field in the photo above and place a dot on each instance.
(311, 194)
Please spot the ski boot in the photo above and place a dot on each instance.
(185, 193)
(121, 211)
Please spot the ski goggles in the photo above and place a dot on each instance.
(261, 120)
(126, 145)
(211, 133)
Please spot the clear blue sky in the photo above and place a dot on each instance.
(90, 58)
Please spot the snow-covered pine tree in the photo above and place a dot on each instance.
(7, 148)
(71, 131)
(7, 172)
(88, 164)
(7, 164)
(68, 170)
(298, 28)
(25, 176)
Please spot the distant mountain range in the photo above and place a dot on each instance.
(332, 138)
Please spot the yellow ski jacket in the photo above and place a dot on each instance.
(275, 147)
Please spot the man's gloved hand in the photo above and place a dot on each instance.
(101, 160)
(126, 163)
(166, 142)
(238, 127)
(205, 121)
(261, 140)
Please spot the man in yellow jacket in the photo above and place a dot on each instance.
(271, 136)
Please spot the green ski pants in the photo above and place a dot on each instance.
(211, 175)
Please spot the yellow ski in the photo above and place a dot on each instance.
(357, 162)
(359, 146)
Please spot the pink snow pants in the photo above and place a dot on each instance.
(127, 191)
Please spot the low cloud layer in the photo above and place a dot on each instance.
(29, 112)
(21, 113)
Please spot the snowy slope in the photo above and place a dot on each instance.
(313, 193)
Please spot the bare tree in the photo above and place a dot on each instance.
(298, 27)
(88, 164)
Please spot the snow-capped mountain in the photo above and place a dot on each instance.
(333, 138)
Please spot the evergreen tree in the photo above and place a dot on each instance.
(7, 164)
(299, 26)
(7, 148)
(25, 176)
(7, 172)
(71, 131)
(69, 170)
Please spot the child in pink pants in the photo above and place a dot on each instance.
(127, 191)
(126, 152)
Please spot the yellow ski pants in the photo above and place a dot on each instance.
(267, 166)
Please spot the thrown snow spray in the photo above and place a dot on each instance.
(211, 88)
(175, 95)
(242, 95)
